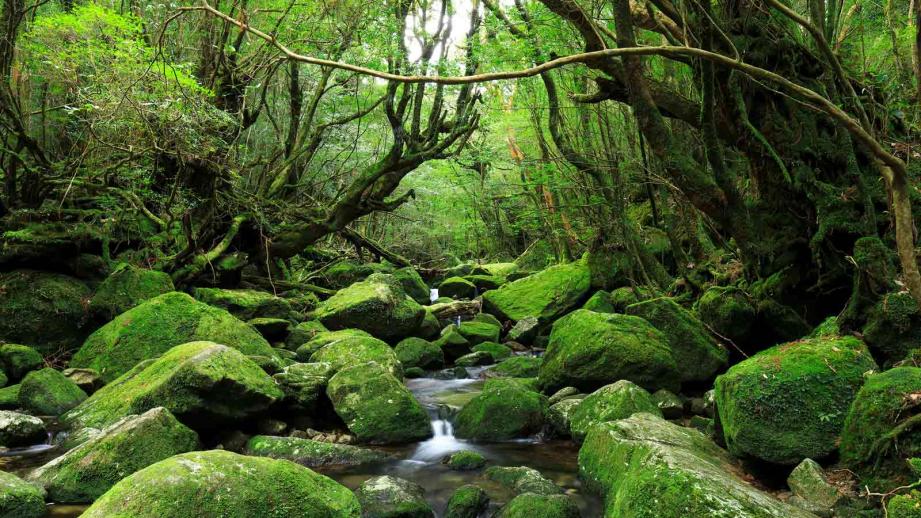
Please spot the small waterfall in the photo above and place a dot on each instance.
(442, 442)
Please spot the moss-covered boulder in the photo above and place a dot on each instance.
(619, 400)
(500, 269)
(220, 484)
(645, 466)
(812, 490)
(516, 367)
(878, 433)
(529, 505)
(626, 295)
(310, 453)
(430, 326)
(20, 499)
(245, 304)
(19, 360)
(522, 479)
(416, 352)
(907, 505)
(497, 351)
(505, 409)
(89, 380)
(479, 332)
(412, 284)
(457, 288)
(392, 497)
(45, 310)
(600, 302)
(525, 330)
(546, 295)
(48, 392)
(893, 326)
(475, 359)
(203, 384)
(465, 460)
(467, 502)
(9, 397)
(324, 338)
(303, 333)
(588, 350)
(357, 350)
(376, 407)
(156, 326)
(729, 311)
(559, 416)
(20, 429)
(346, 273)
(789, 402)
(377, 305)
(485, 282)
(84, 473)
(452, 343)
(698, 354)
(304, 383)
(126, 287)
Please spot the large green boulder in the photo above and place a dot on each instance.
(516, 367)
(546, 295)
(500, 269)
(392, 497)
(530, 505)
(245, 304)
(588, 350)
(19, 360)
(645, 466)
(412, 284)
(457, 288)
(20, 429)
(485, 282)
(9, 397)
(467, 502)
(323, 338)
(505, 409)
(126, 287)
(619, 400)
(203, 384)
(376, 407)
(496, 351)
(904, 506)
(377, 305)
(48, 392)
(479, 332)
(345, 273)
(46, 310)
(878, 433)
(698, 354)
(356, 350)
(303, 333)
(522, 479)
(84, 473)
(220, 484)
(600, 302)
(789, 402)
(452, 343)
(303, 383)
(20, 499)
(310, 453)
(728, 311)
(416, 352)
(156, 326)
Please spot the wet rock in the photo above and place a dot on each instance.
(559, 416)
(516, 367)
(48, 392)
(479, 332)
(220, 483)
(392, 497)
(272, 329)
(19, 360)
(530, 505)
(126, 287)
(20, 429)
(312, 453)
(610, 403)
(497, 352)
(467, 502)
(811, 490)
(416, 352)
(377, 305)
(245, 304)
(465, 460)
(20, 499)
(669, 404)
(89, 380)
(525, 330)
(45, 310)
(457, 288)
(522, 479)
(356, 350)
(303, 383)
(505, 409)
(475, 359)
(414, 373)
(453, 344)
(546, 295)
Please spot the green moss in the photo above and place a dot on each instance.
(355, 350)
(226, 485)
(346, 273)
(600, 302)
(465, 460)
(18, 360)
(610, 403)
(86, 472)
(517, 367)
(156, 326)
(377, 305)
(430, 327)
(392, 497)
(497, 351)
(559, 416)
(485, 282)
(623, 297)
(452, 343)
(521, 479)
(323, 338)
(20, 499)
(45, 310)
(500, 269)
(245, 304)
(412, 284)
(48, 392)
(789, 402)
(310, 453)
(457, 288)
(126, 287)
(479, 332)
(467, 502)
(828, 327)
(904, 506)
(727, 310)
(529, 505)
(303, 383)
(9, 397)
(505, 409)
(376, 407)
(546, 295)
(416, 352)
(588, 350)
(894, 326)
(202, 383)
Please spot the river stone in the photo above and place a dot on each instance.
(646, 466)
(84, 473)
(356, 350)
(392, 497)
(311, 453)
(20, 429)
(126, 287)
(695, 351)
(505, 409)
(465, 460)
(789, 402)
(516, 367)
(452, 343)
(303, 383)
(588, 350)
(156, 326)
(376, 406)
(457, 288)
(377, 305)
(525, 330)
(529, 505)
(610, 403)
(497, 351)
(19, 360)
(522, 479)
(467, 502)
(808, 483)
(20, 499)
(416, 352)
(48, 392)
(479, 332)
(245, 304)
(559, 416)
(546, 295)
(221, 484)
(303, 333)
(46, 310)
(203, 384)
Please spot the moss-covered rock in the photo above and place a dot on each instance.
(522, 479)
(546, 295)
(357, 350)
(9, 397)
(203, 384)
(89, 380)
(559, 416)
(904, 506)
(465, 460)
(500, 269)
(412, 284)
(529, 505)
(84, 473)
(487, 318)
(272, 329)
(324, 338)
(505, 409)
(377, 305)
(430, 326)
(20, 429)
(626, 295)
(698, 354)
(618, 400)
(416, 352)
(457, 288)
(878, 432)
(671, 406)
(220, 484)
(479, 332)
(729, 311)
(525, 330)
(310, 453)
(156, 326)
(304, 383)
(645, 466)
(376, 407)
(126, 287)
(346, 273)
(19, 360)
(811, 490)
(48, 392)
(245, 304)
(485, 282)
(467, 502)
(475, 359)
(497, 351)
(893, 326)
(20, 499)
(45, 310)
(588, 350)
(303, 333)
(452, 343)
(600, 302)
(828, 327)
(789, 402)
(392, 497)
(516, 367)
